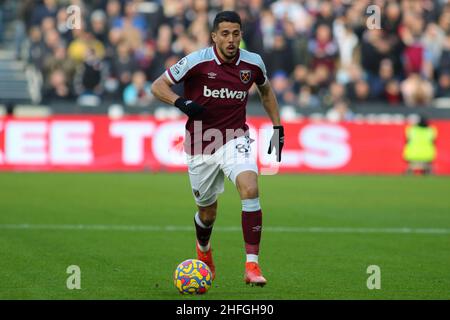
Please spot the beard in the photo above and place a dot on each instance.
(229, 55)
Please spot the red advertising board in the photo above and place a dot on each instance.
(97, 143)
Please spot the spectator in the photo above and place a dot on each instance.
(58, 61)
(359, 91)
(347, 43)
(386, 74)
(340, 112)
(132, 19)
(48, 24)
(416, 91)
(114, 38)
(251, 21)
(268, 25)
(52, 41)
(48, 8)
(420, 149)
(293, 11)
(58, 87)
(113, 9)
(82, 45)
(443, 86)
(99, 26)
(433, 41)
(282, 88)
(391, 19)
(89, 77)
(123, 65)
(444, 20)
(325, 16)
(392, 92)
(199, 31)
(390, 24)
(374, 48)
(280, 56)
(163, 51)
(297, 43)
(323, 49)
(23, 25)
(138, 92)
(444, 61)
(307, 98)
(337, 93)
(37, 48)
(299, 76)
(323, 77)
(414, 52)
(61, 25)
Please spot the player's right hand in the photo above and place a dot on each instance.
(189, 107)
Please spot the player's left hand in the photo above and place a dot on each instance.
(277, 141)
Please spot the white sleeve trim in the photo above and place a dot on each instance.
(168, 77)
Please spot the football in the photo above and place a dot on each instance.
(192, 277)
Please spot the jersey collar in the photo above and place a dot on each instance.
(219, 60)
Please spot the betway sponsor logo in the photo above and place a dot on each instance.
(224, 93)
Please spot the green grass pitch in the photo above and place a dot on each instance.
(320, 233)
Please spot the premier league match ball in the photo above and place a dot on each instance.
(192, 277)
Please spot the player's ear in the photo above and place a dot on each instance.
(213, 36)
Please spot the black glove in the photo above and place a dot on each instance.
(189, 107)
(277, 141)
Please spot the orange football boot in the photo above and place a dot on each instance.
(253, 274)
(206, 257)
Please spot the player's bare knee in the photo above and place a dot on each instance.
(208, 214)
(208, 218)
(248, 191)
(247, 185)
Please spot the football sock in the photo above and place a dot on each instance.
(203, 233)
(251, 227)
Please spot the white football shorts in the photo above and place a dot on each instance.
(206, 172)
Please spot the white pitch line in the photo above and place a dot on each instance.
(150, 228)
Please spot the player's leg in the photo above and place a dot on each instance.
(207, 181)
(241, 168)
(247, 186)
(204, 222)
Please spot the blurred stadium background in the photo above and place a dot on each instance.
(79, 100)
(327, 61)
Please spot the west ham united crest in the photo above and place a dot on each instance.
(245, 76)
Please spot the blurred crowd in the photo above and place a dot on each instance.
(318, 53)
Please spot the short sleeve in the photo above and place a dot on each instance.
(261, 77)
(179, 70)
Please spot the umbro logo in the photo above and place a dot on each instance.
(256, 228)
(212, 75)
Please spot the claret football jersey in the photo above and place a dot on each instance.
(221, 87)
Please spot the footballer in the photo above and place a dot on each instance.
(217, 144)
